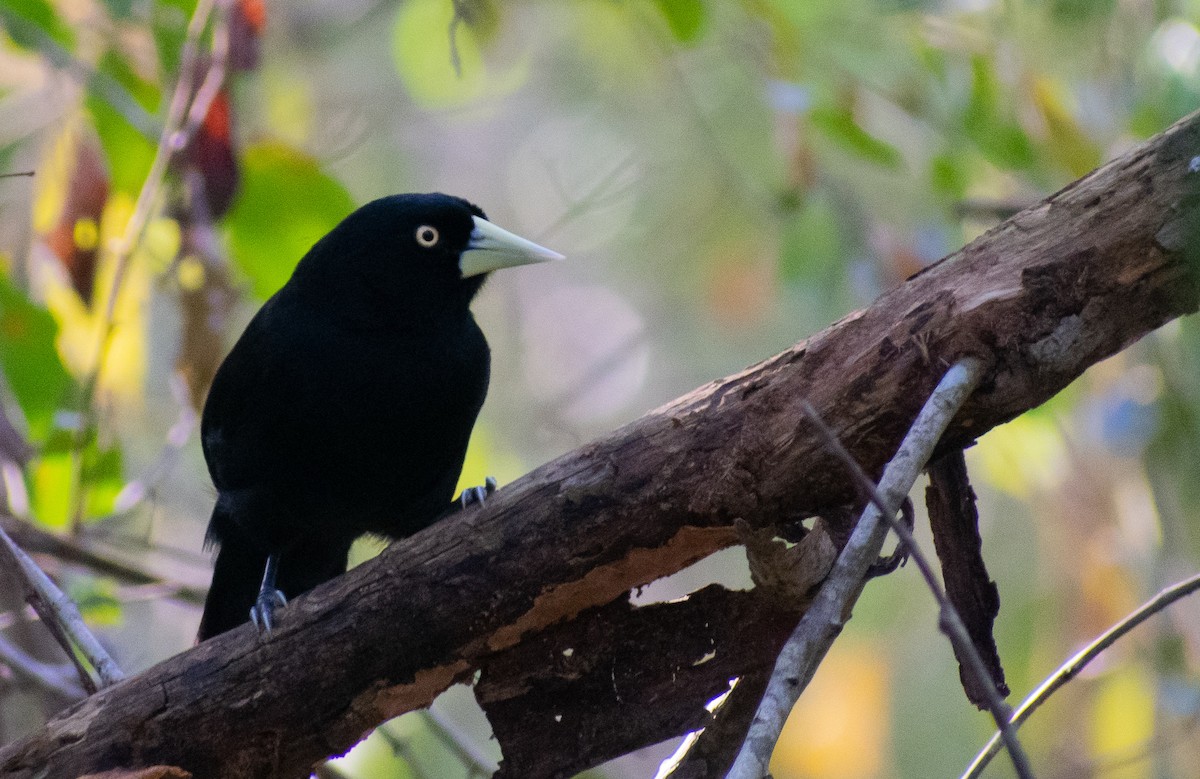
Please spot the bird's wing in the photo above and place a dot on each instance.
(250, 407)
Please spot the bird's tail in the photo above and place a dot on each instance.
(237, 575)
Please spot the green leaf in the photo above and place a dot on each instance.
(103, 477)
(440, 75)
(31, 363)
(686, 18)
(128, 152)
(948, 175)
(96, 599)
(1079, 11)
(999, 137)
(116, 66)
(169, 23)
(284, 206)
(30, 22)
(52, 478)
(127, 148)
(811, 241)
(839, 126)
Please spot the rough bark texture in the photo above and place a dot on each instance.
(1039, 298)
(602, 681)
(955, 524)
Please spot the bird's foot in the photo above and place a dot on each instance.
(477, 494)
(885, 565)
(263, 612)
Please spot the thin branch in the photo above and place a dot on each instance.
(1070, 669)
(455, 58)
(101, 561)
(949, 620)
(61, 617)
(170, 142)
(15, 175)
(821, 624)
(49, 677)
(135, 491)
(177, 131)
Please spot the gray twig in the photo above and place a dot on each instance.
(823, 621)
(50, 677)
(1070, 669)
(185, 113)
(61, 617)
(949, 619)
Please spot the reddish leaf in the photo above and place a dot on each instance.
(211, 153)
(75, 237)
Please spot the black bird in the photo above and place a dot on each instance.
(346, 405)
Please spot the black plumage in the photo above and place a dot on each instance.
(346, 405)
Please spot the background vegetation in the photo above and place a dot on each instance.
(725, 178)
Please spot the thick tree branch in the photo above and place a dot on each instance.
(1039, 299)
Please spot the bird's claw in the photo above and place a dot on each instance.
(262, 614)
(477, 494)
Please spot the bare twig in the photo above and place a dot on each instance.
(94, 557)
(15, 175)
(1070, 669)
(137, 490)
(822, 623)
(170, 143)
(61, 617)
(949, 619)
(184, 115)
(49, 677)
(455, 58)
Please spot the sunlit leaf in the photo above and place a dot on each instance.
(990, 125)
(425, 59)
(128, 153)
(686, 18)
(103, 477)
(52, 477)
(485, 458)
(96, 599)
(1122, 721)
(1024, 456)
(31, 363)
(839, 125)
(285, 205)
(1069, 143)
(169, 23)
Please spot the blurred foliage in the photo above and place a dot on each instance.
(261, 232)
(726, 178)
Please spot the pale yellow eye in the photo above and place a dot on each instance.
(427, 235)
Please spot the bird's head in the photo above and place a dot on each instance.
(416, 250)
